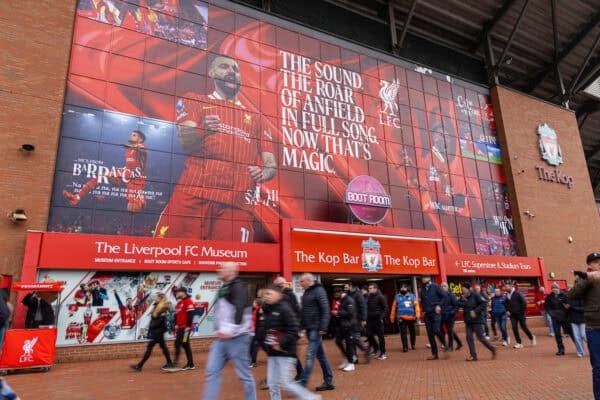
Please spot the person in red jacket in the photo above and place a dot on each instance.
(184, 315)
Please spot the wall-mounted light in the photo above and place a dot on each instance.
(530, 214)
(551, 275)
(570, 239)
(27, 148)
(17, 216)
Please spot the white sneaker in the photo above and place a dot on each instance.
(318, 397)
(382, 357)
(428, 345)
(487, 337)
(348, 368)
(551, 334)
(343, 365)
(533, 341)
(518, 346)
(504, 343)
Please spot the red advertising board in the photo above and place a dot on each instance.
(476, 265)
(324, 251)
(105, 252)
(25, 348)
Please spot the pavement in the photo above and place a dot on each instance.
(528, 373)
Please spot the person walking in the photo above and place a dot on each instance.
(184, 315)
(499, 314)
(540, 298)
(233, 319)
(277, 331)
(475, 311)
(360, 300)
(431, 300)
(449, 310)
(575, 317)
(315, 320)
(377, 309)
(156, 331)
(346, 315)
(404, 310)
(290, 297)
(587, 288)
(515, 309)
(556, 304)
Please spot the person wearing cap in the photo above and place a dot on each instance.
(233, 323)
(184, 316)
(431, 303)
(475, 312)
(515, 309)
(556, 305)
(587, 287)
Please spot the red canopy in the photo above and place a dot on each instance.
(38, 287)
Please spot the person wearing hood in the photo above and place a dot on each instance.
(233, 323)
(314, 320)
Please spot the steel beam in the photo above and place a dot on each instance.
(489, 27)
(490, 62)
(512, 33)
(543, 74)
(590, 76)
(575, 80)
(392, 23)
(409, 16)
(559, 79)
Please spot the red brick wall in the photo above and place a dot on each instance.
(35, 37)
(559, 212)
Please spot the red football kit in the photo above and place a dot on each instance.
(209, 199)
(181, 312)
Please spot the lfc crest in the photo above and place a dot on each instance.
(548, 143)
(371, 257)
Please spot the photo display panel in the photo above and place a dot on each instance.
(184, 119)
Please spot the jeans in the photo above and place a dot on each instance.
(593, 341)
(3, 329)
(548, 320)
(578, 331)
(221, 351)
(478, 329)
(515, 321)
(433, 324)
(315, 349)
(500, 319)
(279, 376)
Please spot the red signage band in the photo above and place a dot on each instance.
(476, 265)
(361, 253)
(104, 252)
(38, 287)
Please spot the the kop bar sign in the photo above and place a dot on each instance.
(551, 152)
(367, 199)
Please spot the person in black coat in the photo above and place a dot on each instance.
(290, 297)
(475, 312)
(277, 330)
(348, 322)
(516, 305)
(449, 311)
(377, 309)
(39, 311)
(315, 320)
(431, 304)
(556, 304)
(156, 331)
(361, 314)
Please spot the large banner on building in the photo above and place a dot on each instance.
(184, 119)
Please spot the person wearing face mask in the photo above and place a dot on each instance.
(404, 310)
